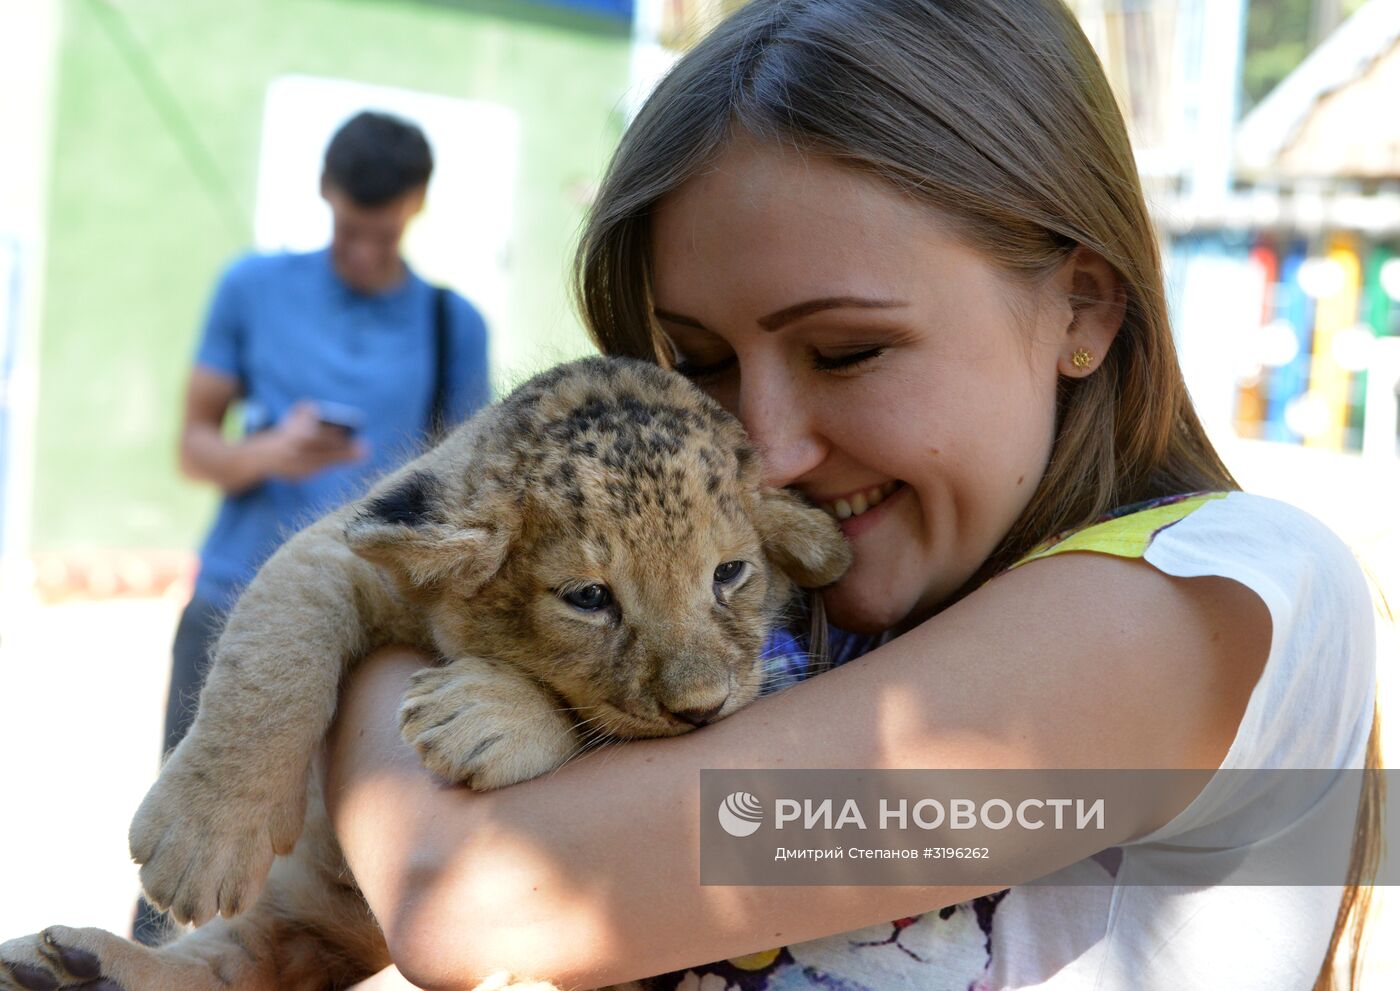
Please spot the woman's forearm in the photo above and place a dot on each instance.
(590, 875)
(548, 879)
(374, 781)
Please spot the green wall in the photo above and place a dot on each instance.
(138, 234)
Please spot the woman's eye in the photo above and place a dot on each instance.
(729, 572)
(837, 362)
(700, 370)
(589, 598)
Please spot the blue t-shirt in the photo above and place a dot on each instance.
(287, 328)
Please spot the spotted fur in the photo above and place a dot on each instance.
(604, 472)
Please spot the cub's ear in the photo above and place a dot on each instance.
(802, 541)
(406, 530)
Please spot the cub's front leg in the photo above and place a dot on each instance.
(484, 724)
(233, 793)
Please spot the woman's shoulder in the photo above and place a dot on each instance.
(1311, 701)
(1293, 561)
(1254, 539)
(1307, 577)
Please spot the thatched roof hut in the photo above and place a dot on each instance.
(1337, 116)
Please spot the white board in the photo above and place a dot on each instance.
(462, 238)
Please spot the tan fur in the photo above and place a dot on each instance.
(604, 471)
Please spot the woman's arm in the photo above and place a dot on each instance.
(590, 876)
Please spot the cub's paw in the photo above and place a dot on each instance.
(206, 833)
(60, 958)
(484, 725)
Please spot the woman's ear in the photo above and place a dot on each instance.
(1097, 301)
(802, 541)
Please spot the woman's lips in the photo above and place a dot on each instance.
(857, 513)
(860, 502)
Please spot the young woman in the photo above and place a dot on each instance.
(904, 242)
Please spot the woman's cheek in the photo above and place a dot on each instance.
(877, 592)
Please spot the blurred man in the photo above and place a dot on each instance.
(343, 359)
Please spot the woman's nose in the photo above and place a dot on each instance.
(781, 425)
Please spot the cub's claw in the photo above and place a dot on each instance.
(206, 840)
(484, 725)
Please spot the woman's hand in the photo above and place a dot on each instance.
(388, 979)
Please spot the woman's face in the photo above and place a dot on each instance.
(889, 373)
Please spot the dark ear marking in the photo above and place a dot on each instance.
(410, 503)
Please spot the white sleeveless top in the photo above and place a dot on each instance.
(1311, 708)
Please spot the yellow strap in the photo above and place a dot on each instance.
(1126, 536)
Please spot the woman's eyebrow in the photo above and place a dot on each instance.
(780, 318)
(788, 314)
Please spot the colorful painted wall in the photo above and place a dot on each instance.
(1298, 325)
(156, 143)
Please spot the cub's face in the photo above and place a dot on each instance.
(604, 530)
(647, 625)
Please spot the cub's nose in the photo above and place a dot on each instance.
(698, 717)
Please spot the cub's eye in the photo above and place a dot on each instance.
(729, 572)
(589, 598)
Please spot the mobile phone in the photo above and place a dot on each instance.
(342, 416)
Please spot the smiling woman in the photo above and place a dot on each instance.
(893, 323)
(904, 242)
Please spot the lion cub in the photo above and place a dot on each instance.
(596, 550)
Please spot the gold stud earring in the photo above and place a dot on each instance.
(1082, 358)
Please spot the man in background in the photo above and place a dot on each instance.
(343, 361)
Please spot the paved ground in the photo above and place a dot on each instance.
(82, 694)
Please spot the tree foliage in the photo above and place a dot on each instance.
(1279, 34)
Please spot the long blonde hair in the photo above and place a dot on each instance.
(995, 113)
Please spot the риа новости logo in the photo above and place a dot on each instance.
(740, 814)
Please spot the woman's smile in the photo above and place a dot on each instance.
(858, 511)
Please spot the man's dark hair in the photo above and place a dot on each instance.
(375, 158)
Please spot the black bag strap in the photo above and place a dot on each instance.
(437, 412)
